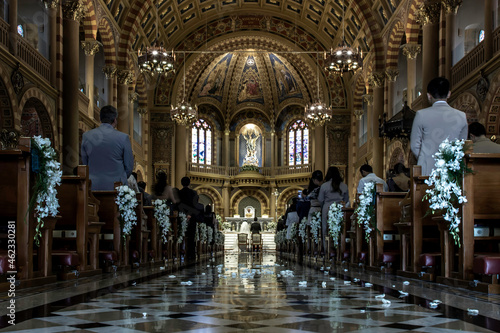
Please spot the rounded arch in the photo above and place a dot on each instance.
(35, 98)
(212, 193)
(393, 45)
(258, 194)
(285, 196)
(256, 121)
(395, 154)
(468, 103)
(412, 26)
(90, 21)
(141, 87)
(8, 102)
(141, 173)
(108, 41)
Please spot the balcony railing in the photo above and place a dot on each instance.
(467, 64)
(233, 171)
(4, 33)
(211, 169)
(33, 58)
(293, 169)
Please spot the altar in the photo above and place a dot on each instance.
(237, 221)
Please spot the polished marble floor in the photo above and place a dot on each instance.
(250, 293)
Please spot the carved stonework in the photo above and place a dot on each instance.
(142, 111)
(234, 19)
(337, 145)
(74, 10)
(429, 13)
(9, 139)
(162, 140)
(125, 76)
(377, 79)
(359, 113)
(368, 99)
(133, 97)
(109, 72)
(411, 51)
(17, 79)
(90, 47)
(51, 4)
(451, 6)
(391, 74)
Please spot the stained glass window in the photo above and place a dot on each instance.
(201, 142)
(481, 35)
(20, 30)
(298, 143)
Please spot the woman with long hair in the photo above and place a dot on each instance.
(332, 190)
(313, 192)
(163, 191)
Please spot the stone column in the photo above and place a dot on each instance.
(110, 74)
(451, 9)
(226, 149)
(488, 29)
(320, 159)
(52, 9)
(180, 153)
(273, 153)
(428, 15)
(90, 47)
(132, 97)
(73, 11)
(368, 98)
(391, 74)
(226, 197)
(13, 35)
(125, 77)
(377, 81)
(411, 52)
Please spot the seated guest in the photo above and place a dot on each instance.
(281, 224)
(146, 196)
(163, 191)
(291, 217)
(132, 182)
(303, 204)
(400, 182)
(313, 192)
(477, 133)
(368, 176)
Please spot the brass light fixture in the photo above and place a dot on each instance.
(317, 113)
(184, 113)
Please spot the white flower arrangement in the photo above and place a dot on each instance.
(126, 201)
(162, 216)
(365, 212)
(271, 226)
(48, 177)
(335, 221)
(181, 233)
(302, 229)
(446, 178)
(294, 232)
(226, 226)
(220, 221)
(210, 234)
(201, 232)
(280, 237)
(316, 226)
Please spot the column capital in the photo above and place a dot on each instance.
(125, 76)
(359, 113)
(133, 97)
(90, 47)
(51, 4)
(73, 10)
(142, 112)
(376, 79)
(368, 99)
(429, 13)
(109, 72)
(411, 51)
(451, 6)
(391, 74)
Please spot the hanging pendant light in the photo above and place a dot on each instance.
(317, 113)
(156, 60)
(343, 58)
(184, 113)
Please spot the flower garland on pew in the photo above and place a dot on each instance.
(126, 202)
(219, 238)
(446, 178)
(48, 176)
(365, 211)
(294, 232)
(280, 237)
(210, 234)
(302, 229)
(316, 226)
(183, 227)
(201, 232)
(335, 222)
(162, 216)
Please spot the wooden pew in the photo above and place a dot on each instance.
(345, 241)
(74, 233)
(140, 234)
(154, 244)
(15, 193)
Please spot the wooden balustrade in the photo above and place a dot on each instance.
(33, 58)
(472, 60)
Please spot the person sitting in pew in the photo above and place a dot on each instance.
(163, 191)
(477, 133)
(400, 182)
(146, 196)
(368, 176)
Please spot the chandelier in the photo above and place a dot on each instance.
(317, 113)
(343, 58)
(156, 60)
(184, 113)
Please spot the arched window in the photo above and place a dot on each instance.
(298, 143)
(201, 142)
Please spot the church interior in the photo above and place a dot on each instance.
(247, 98)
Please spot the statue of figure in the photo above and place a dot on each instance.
(251, 138)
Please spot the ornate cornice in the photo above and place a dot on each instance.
(74, 10)
(90, 47)
(109, 72)
(391, 74)
(125, 76)
(451, 6)
(411, 51)
(376, 79)
(51, 4)
(429, 13)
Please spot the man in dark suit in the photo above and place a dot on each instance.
(434, 124)
(255, 228)
(190, 206)
(107, 152)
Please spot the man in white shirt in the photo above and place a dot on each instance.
(482, 144)
(368, 176)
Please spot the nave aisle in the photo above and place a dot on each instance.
(251, 293)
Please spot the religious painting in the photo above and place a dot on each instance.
(250, 88)
(213, 84)
(285, 83)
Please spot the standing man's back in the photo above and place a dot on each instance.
(434, 124)
(107, 152)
